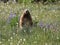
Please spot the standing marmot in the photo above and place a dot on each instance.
(25, 19)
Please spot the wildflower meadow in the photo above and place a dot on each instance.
(45, 29)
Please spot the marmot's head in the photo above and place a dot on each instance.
(26, 11)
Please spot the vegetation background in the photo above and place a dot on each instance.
(46, 19)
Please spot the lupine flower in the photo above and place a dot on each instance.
(11, 15)
(47, 26)
(41, 24)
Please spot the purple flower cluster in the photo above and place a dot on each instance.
(47, 25)
(11, 15)
(41, 24)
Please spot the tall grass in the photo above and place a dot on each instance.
(46, 29)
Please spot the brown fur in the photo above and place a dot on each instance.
(25, 19)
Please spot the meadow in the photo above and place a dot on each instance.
(46, 29)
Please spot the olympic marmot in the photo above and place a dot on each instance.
(26, 19)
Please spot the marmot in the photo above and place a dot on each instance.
(25, 19)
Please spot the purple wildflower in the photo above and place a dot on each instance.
(47, 26)
(41, 24)
(11, 15)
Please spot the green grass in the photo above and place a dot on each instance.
(12, 35)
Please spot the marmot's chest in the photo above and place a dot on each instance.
(26, 21)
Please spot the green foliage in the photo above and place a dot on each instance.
(24, 1)
(14, 21)
(51, 0)
(2, 22)
(35, 35)
(20, 1)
